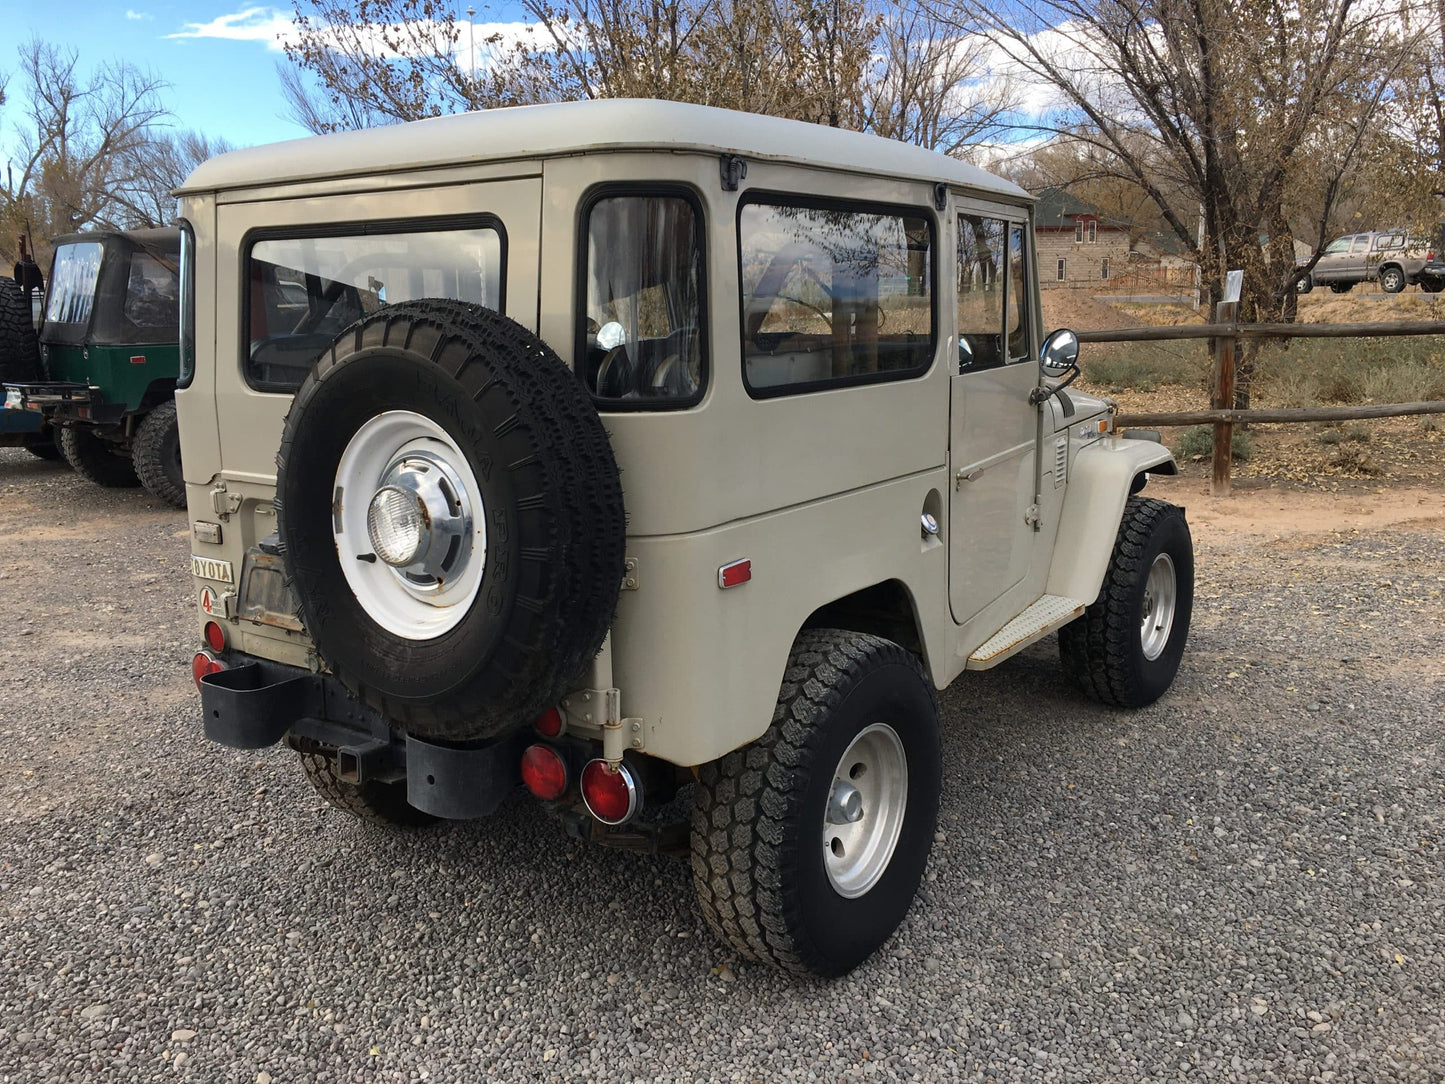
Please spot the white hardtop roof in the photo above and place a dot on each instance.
(540, 131)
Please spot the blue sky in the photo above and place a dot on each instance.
(218, 57)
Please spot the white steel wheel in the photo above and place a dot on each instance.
(865, 810)
(409, 525)
(1156, 617)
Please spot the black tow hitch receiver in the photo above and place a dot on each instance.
(245, 710)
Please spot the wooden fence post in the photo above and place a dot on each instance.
(1226, 311)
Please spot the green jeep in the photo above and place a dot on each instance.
(109, 357)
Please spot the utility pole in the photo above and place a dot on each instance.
(471, 43)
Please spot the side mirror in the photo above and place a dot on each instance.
(1060, 354)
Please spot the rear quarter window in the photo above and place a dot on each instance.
(834, 293)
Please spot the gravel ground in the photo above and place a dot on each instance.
(1241, 883)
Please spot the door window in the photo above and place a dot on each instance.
(992, 292)
(981, 291)
(1018, 296)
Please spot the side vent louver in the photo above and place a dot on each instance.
(1061, 461)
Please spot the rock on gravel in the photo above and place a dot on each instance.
(1228, 885)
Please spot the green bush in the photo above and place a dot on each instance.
(1197, 442)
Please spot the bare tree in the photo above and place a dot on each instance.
(82, 147)
(162, 164)
(932, 86)
(356, 63)
(92, 151)
(1219, 108)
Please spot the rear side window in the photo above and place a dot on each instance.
(833, 294)
(301, 291)
(642, 342)
(72, 283)
(152, 295)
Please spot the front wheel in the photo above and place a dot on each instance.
(808, 844)
(1126, 647)
(1304, 285)
(157, 455)
(1392, 280)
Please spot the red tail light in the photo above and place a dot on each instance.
(205, 663)
(549, 723)
(215, 636)
(611, 794)
(545, 772)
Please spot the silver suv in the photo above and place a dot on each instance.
(1392, 258)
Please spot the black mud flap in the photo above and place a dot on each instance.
(245, 708)
(461, 782)
(256, 704)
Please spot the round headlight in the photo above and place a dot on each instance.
(396, 525)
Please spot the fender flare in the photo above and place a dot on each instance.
(1100, 478)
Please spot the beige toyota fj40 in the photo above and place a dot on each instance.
(641, 453)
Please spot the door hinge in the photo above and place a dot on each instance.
(224, 503)
(733, 170)
(1031, 516)
(630, 580)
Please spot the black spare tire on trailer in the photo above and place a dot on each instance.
(452, 518)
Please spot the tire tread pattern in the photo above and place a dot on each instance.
(19, 348)
(380, 803)
(741, 838)
(151, 454)
(91, 458)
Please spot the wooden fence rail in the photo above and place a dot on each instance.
(1265, 331)
(1226, 334)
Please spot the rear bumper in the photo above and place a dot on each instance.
(23, 422)
(257, 703)
(61, 401)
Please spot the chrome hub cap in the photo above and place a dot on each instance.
(409, 525)
(865, 810)
(1161, 597)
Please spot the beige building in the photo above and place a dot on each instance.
(1077, 245)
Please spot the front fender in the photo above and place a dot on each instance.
(1099, 481)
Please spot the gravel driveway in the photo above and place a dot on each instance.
(1242, 882)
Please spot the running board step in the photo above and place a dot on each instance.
(1040, 619)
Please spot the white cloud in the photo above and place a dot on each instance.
(138, 16)
(476, 46)
(263, 24)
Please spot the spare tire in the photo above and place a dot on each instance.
(452, 519)
(19, 349)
